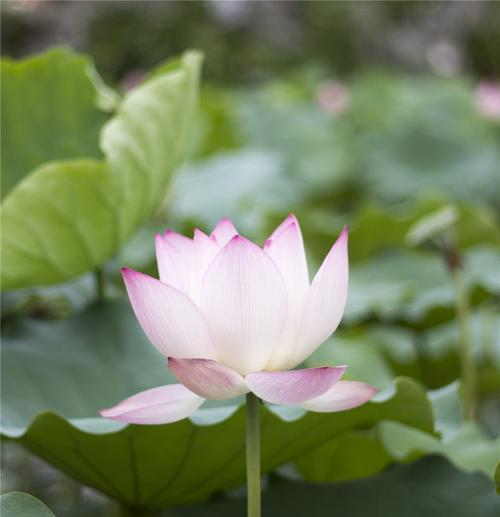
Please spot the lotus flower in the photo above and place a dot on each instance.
(232, 317)
(487, 99)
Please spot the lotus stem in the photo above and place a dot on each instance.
(467, 360)
(100, 284)
(253, 456)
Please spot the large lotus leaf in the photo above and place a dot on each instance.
(50, 111)
(364, 453)
(56, 376)
(350, 456)
(67, 217)
(19, 504)
(430, 486)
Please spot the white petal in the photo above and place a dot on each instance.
(174, 257)
(224, 232)
(205, 250)
(341, 396)
(287, 251)
(162, 405)
(170, 319)
(244, 299)
(284, 225)
(325, 301)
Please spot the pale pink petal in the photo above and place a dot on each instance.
(325, 301)
(207, 378)
(293, 386)
(170, 319)
(287, 251)
(174, 261)
(284, 225)
(205, 250)
(343, 395)
(161, 405)
(181, 242)
(224, 232)
(244, 299)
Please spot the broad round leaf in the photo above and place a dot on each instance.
(56, 376)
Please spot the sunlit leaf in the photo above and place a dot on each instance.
(49, 112)
(67, 217)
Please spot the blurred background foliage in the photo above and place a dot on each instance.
(375, 114)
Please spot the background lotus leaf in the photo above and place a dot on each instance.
(17, 504)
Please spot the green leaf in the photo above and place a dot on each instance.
(408, 286)
(67, 217)
(242, 185)
(19, 504)
(420, 134)
(52, 393)
(468, 449)
(429, 486)
(49, 112)
(376, 230)
(463, 443)
(350, 456)
(364, 360)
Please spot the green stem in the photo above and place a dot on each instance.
(100, 284)
(468, 369)
(253, 455)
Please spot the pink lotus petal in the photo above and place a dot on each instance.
(205, 250)
(170, 319)
(174, 264)
(207, 378)
(287, 251)
(325, 301)
(181, 242)
(290, 219)
(487, 99)
(343, 395)
(161, 405)
(244, 298)
(224, 232)
(294, 386)
(333, 97)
